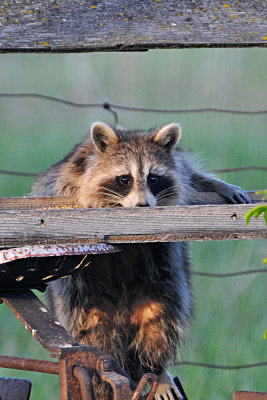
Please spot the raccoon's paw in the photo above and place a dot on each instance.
(167, 390)
(235, 194)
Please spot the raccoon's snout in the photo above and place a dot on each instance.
(142, 205)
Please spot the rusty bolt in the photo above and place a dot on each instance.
(104, 364)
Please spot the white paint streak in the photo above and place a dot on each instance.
(52, 250)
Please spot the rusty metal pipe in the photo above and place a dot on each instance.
(85, 382)
(29, 364)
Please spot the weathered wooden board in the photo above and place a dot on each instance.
(102, 25)
(30, 203)
(250, 396)
(127, 225)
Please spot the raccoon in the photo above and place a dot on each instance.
(137, 304)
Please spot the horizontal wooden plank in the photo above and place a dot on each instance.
(68, 26)
(128, 225)
(250, 396)
(30, 203)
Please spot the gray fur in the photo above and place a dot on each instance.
(137, 304)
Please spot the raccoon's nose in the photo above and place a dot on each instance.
(142, 205)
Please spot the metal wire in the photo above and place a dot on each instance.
(18, 173)
(191, 110)
(226, 367)
(230, 274)
(111, 107)
(104, 105)
(240, 169)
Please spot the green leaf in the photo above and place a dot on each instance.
(256, 211)
(264, 261)
(265, 335)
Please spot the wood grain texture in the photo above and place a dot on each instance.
(102, 25)
(31, 203)
(250, 396)
(128, 225)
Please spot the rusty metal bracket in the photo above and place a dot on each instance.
(122, 385)
(69, 358)
(38, 320)
(85, 381)
(93, 361)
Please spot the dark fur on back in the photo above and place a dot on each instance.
(135, 305)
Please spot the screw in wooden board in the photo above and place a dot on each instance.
(42, 222)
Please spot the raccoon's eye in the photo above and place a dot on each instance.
(124, 179)
(152, 179)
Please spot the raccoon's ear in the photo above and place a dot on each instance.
(169, 135)
(103, 136)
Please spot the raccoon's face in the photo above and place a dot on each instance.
(131, 168)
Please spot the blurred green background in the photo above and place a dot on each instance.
(230, 314)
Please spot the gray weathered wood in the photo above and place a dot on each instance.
(127, 225)
(102, 25)
(29, 203)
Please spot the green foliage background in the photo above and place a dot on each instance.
(230, 314)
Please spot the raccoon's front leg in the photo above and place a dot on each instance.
(156, 339)
(96, 327)
(234, 194)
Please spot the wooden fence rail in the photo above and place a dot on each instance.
(56, 220)
(102, 25)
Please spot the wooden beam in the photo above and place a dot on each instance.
(40, 225)
(250, 396)
(30, 203)
(102, 25)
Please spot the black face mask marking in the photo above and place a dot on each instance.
(161, 184)
(118, 188)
